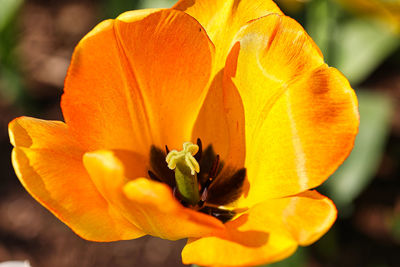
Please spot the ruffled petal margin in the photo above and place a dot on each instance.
(222, 19)
(137, 81)
(266, 233)
(301, 116)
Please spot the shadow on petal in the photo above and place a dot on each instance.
(249, 238)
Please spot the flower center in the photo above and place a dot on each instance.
(198, 178)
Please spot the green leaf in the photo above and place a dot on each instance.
(10, 77)
(360, 167)
(7, 11)
(360, 46)
(320, 22)
(113, 8)
(10, 84)
(156, 3)
(396, 227)
(354, 45)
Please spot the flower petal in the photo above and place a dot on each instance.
(149, 205)
(268, 232)
(222, 19)
(307, 216)
(220, 123)
(48, 162)
(130, 85)
(301, 116)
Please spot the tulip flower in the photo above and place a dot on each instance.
(212, 121)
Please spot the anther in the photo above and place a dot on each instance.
(200, 152)
(207, 184)
(204, 194)
(223, 215)
(214, 168)
(211, 177)
(153, 176)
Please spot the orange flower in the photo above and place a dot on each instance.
(240, 76)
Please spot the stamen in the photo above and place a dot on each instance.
(225, 208)
(214, 168)
(207, 184)
(166, 149)
(212, 174)
(159, 167)
(223, 215)
(204, 194)
(153, 176)
(228, 188)
(200, 152)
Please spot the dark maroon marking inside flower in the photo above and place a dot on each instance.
(218, 186)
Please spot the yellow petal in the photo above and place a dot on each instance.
(268, 232)
(221, 119)
(149, 205)
(130, 85)
(301, 116)
(307, 216)
(48, 162)
(222, 19)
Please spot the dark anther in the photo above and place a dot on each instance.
(205, 186)
(228, 188)
(214, 168)
(206, 164)
(166, 149)
(204, 194)
(220, 214)
(223, 215)
(203, 197)
(160, 167)
(153, 176)
(200, 152)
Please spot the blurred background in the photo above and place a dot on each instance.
(360, 37)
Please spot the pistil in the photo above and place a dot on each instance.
(186, 168)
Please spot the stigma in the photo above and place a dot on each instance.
(184, 158)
